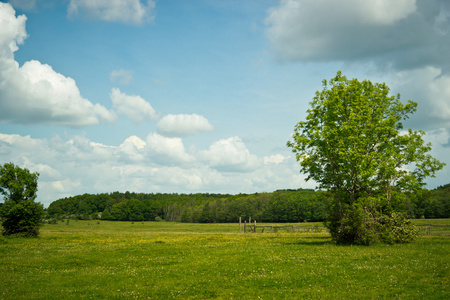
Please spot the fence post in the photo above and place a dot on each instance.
(239, 224)
(255, 227)
(245, 226)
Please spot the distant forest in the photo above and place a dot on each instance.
(279, 206)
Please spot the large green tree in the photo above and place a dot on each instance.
(354, 146)
(19, 214)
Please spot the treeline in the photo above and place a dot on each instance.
(429, 204)
(279, 206)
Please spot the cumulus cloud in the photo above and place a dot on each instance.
(183, 125)
(440, 140)
(131, 150)
(135, 141)
(168, 150)
(35, 93)
(133, 107)
(407, 40)
(45, 171)
(230, 155)
(123, 11)
(13, 31)
(403, 34)
(62, 186)
(430, 88)
(121, 76)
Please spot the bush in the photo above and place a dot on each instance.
(395, 228)
(22, 218)
(364, 226)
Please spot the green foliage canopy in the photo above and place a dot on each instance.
(19, 214)
(353, 145)
(17, 184)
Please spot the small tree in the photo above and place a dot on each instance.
(19, 214)
(353, 145)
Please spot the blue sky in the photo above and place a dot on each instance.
(200, 95)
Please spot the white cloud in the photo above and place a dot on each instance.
(122, 76)
(35, 93)
(171, 179)
(403, 34)
(63, 186)
(135, 141)
(133, 107)
(183, 125)
(406, 41)
(45, 171)
(13, 31)
(381, 12)
(123, 11)
(274, 159)
(176, 176)
(168, 150)
(431, 90)
(440, 140)
(230, 155)
(131, 150)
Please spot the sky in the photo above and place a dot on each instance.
(193, 96)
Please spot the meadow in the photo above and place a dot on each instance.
(165, 260)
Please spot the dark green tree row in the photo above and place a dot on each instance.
(280, 206)
(429, 204)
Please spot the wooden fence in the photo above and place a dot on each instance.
(425, 229)
(435, 229)
(252, 227)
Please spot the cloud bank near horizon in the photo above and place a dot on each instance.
(77, 165)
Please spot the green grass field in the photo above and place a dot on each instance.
(113, 260)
